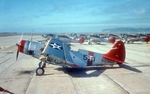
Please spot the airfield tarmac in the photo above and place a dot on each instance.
(19, 76)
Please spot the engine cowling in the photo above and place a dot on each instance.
(30, 48)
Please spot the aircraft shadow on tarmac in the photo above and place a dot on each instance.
(89, 44)
(94, 44)
(25, 72)
(82, 72)
(130, 68)
(85, 72)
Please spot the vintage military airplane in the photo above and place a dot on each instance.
(81, 39)
(98, 39)
(57, 52)
(48, 35)
(131, 38)
(78, 40)
(64, 38)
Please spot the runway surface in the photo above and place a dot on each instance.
(19, 76)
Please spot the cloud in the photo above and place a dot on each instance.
(139, 12)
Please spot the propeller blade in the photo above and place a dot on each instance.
(17, 54)
(21, 37)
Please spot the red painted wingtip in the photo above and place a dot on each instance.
(117, 53)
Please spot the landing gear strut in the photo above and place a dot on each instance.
(42, 64)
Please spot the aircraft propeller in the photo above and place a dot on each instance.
(18, 45)
(17, 54)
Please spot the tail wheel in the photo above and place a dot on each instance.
(127, 42)
(89, 43)
(39, 71)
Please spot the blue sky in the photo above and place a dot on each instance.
(72, 15)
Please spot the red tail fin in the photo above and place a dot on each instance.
(117, 53)
(112, 39)
(81, 40)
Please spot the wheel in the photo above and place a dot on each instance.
(98, 43)
(39, 71)
(89, 43)
(127, 42)
(111, 65)
(131, 42)
(120, 65)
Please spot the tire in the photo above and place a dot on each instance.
(39, 71)
(89, 43)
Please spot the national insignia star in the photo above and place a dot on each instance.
(55, 46)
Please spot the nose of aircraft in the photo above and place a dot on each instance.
(20, 48)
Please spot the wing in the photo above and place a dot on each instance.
(54, 47)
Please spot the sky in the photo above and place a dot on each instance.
(72, 15)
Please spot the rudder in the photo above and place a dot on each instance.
(117, 53)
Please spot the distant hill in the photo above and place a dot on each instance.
(125, 30)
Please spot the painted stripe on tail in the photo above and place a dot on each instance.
(90, 60)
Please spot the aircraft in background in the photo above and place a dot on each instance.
(57, 52)
(77, 39)
(97, 39)
(131, 38)
(47, 36)
(94, 39)
(81, 39)
(64, 38)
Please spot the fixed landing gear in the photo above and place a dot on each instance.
(40, 70)
(42, 64)
(90, 43)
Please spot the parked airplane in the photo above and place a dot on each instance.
(48, 35)
(57, 52)
(64, 38)
(98, 39)
(81, 39)
(130, 38)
